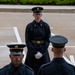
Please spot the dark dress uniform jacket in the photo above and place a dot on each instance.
(37, 31)
(22, 70)
(58, 66)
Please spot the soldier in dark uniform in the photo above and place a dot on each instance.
(37, 36)
(58, 66)
(16, 67)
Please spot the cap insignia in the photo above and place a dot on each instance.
(16, 46)
(37, 8)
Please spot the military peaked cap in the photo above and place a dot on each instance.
(16, 49)
(58, 41)
(37, 10)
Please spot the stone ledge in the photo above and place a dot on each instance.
(45, 10)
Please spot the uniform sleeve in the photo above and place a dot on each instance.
(40, 72)
(4, 70)
(28, 41)
(47, 41)
(29, 71)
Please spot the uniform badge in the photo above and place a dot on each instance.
(16, 46)
(37, 8)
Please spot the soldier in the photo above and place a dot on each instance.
(58, 66)
(37, 36)
(16, 67)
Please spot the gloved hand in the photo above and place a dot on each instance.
(38, 55)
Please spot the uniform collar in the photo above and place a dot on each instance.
(58, 60)
(38, 22)
(12, 68)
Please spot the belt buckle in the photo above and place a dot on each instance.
(38, 42)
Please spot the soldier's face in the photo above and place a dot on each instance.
(16, 60)
(37, 16)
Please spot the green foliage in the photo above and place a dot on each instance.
(23, 2)
(14, 1)
(3, 1)
(39, 2)
(64, 2)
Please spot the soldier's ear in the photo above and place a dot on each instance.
(33, 14)
(52, 49)
(22, 55)
(10, 55)
(41, 14)
(64, 49)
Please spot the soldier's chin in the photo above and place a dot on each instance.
(17, 64)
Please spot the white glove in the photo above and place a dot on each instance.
(38, 55)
